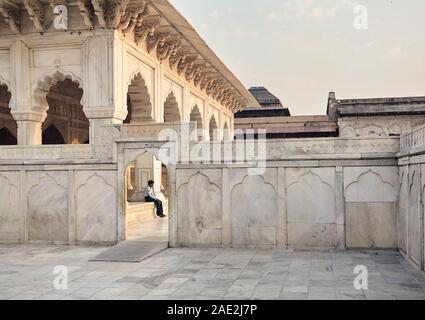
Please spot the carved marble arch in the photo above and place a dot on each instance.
(8, 128)
(45, 85)
(138, 101)
(158, 149)
(196, 116)
(384, 191)
(171, 109)
(226, 132)
(213, 129)
(60, 97)
(5, 94)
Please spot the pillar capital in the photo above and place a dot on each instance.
(105, 113)
(29, 125)
(36, 115)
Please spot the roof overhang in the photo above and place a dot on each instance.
(180, 23)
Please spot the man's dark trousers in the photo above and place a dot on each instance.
(158, 205)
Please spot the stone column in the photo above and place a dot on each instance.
(100, 117)
(29, 126)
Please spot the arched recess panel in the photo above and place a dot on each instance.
(66, 114)
(7, 123)
(52, 136)
(196, 116)
(213, 129)
(138, 102)
(226, 132)
(171, 109)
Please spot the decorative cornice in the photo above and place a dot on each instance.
(146, 27)
(36, 13)
(117, 11)
(155, 39)
(54, 3)
(10, 16)
(169, 47)
(133, 17)
(152, 29)
(86, 11)
(99, 7)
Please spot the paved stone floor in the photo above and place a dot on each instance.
(26, 272)
(153, 230)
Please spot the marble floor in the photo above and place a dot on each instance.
(152, 230)
(27, 272)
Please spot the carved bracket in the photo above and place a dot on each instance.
(99, 7)
(36, 13)
(146, 27)
(10, 16)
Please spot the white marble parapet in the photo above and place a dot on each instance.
(413, 143)
(61, 153)
(273, 150)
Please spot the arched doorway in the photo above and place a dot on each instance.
(8, 129)
(52, 135)
(171, 109)
(213, 129)
(141, 220)
(196, 116)
(6, 137)
(138, 102)
(66, 122)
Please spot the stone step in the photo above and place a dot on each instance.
(131, 251)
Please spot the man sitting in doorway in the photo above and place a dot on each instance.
(151, 197)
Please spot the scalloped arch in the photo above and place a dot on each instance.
(246, 177)
(197, 174)
(52, 79)
(309, 172)
(196, 115)
(5, 82)
(137, 92)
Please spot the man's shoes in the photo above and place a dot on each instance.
(161, 215)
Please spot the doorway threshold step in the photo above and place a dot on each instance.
(131, 251)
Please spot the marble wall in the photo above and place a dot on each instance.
(47, 213)
(302, 207)
(410, 215)
(313, 222)
(58, 206)
(199, 197)
(371, 195)
(254, 208)
(10, 206)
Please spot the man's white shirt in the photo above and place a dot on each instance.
(149, 192)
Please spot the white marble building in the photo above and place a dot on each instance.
(124, 71)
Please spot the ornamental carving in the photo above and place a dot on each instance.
(10, 16)
(35, 13)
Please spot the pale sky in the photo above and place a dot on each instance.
(302, 49)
